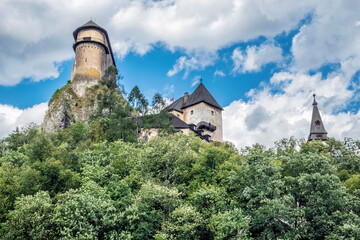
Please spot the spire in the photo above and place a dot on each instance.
(317, 129)
(314, 103)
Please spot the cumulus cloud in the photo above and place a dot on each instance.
(332, 36)
(198, 62)
(268, 116)
(12, 117)
(36, 35)
(255, 57)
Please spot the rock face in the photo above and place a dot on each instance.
(74, 102)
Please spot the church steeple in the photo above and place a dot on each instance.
(317, 129)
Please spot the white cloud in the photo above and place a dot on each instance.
(332, 36)
(197, 62)
(195, 80)
(255, 57)
(36, 34)
(12, 117)
(269, 116)
(219, 73)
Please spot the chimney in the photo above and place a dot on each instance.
(186, 97)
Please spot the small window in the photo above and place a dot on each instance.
(85, 59)
(86, 38)
(212, 112)
(192, 112)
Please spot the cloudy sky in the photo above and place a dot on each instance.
(262, 60)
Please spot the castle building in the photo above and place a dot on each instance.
(198, 112)
(317, 129)
(93, 55)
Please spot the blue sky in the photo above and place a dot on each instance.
(262, 60)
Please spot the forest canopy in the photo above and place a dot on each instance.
(75, 184)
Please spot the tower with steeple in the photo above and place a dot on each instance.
(317, 129)
(93, 55)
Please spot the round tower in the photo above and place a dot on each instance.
(93, 55)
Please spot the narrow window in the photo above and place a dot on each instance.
(85, 59)
(212, 112)
(192, 112)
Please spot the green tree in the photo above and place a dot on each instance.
(32, 218)
(87, 213)
(158, 103)
(138, 101)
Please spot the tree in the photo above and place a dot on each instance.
(158, 103)
(138, 101)
(87, 213)
(183, 223)
(231, 225)
(111, 78)
(32, 218)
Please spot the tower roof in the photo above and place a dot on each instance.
(317, 129)
(92, 25)
(201, 94)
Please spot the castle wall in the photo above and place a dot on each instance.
(93, 33)
(89, 60)
(178, 114)
(205, 112)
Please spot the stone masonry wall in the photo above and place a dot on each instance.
(205, 112)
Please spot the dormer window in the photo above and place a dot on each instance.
(317, 122)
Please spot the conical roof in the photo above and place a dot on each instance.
(201, 94)
(89, 24)
(317, 129)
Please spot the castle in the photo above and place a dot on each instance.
(198, 112)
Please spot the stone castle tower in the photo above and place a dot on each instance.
(317, 129)
(93, 55)
(198, 112)
(77, 100)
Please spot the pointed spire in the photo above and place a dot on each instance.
(317, 129)
(314, 103)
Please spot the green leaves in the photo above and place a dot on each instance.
(85, 183)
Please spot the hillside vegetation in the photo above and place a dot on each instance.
(96, 180)
(81, 184)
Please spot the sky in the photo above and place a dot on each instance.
(261, 60)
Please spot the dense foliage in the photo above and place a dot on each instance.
(98, 181)
(67, 185)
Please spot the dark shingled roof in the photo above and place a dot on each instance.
(317, 129)
(92, 24)
(201, 94)
(177, 105)
(178, 123)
